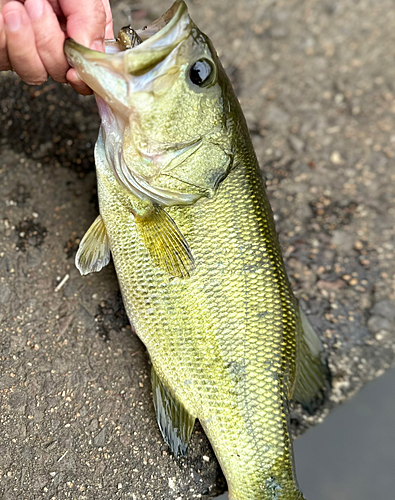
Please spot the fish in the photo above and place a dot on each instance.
(185, 216)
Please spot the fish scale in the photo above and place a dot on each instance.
(184, 212)
(234, 316)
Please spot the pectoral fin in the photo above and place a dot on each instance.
(312, 373)
(164, 242)
(94, 250)
(175, 423)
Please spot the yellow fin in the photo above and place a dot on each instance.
(312, 372)
(175, 423)
(164, 242)
(94, 250)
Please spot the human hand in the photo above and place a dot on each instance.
(32, 34)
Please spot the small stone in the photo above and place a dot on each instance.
(34, 257)
(330, 285)
(378, 323)
(125, 439)
(358, 245)
(100, 439)
(336, 158)
(296, 143)
(385, 309)
(5, 294)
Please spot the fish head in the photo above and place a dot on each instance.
(169, 102)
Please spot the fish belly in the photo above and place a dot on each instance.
(223, 339)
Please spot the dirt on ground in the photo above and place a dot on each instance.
(315, 80)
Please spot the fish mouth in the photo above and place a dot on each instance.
(159, 39)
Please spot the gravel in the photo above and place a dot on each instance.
(315, 80)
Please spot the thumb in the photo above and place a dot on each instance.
(87, 22)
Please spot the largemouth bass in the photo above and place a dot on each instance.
(184, 213)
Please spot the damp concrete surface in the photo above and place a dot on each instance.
(315, 80)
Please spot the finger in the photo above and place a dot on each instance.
(86, 22)
(49, 38)
(87, 25)
(4, 61)
(3, 2)
(56, 8)
(21, 44)
(109, 31)
(77, 84)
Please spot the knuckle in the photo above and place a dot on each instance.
(59, 78)
(57, 68)
(101, 15)
(43, 39)
(97, 22)
(4, 66)
(4, 62)
(36, 80)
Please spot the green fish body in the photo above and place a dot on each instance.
(184, 213)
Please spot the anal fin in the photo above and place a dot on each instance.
(175, 422)
(312, 379)
(94, 250)
(164, 242)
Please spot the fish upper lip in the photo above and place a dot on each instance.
(159, 39)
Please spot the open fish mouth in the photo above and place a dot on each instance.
(158, 39)
(150, 66)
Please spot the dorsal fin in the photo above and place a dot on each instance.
(312, 378)
(175, 423)
(94, 250)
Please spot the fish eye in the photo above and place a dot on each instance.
(202, 72)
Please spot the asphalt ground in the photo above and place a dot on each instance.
(316, 82)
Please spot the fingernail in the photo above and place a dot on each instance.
(97, 45)
(13, 20)
(35, 9)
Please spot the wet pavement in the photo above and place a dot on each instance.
(315, 80)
